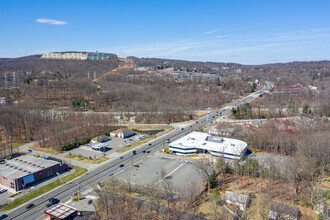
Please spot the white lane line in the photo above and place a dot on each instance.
(171, 172)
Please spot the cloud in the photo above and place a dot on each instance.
(210, 32)
(51, 21)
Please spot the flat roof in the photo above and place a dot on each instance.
(98, 145)
(208, 142)
(23, 166)
(60, 211)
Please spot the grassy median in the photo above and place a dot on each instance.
(86, 159)
(34, 194)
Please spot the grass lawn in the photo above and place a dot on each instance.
(86, 159)
(129, 147)
(31, 195)
(44, 149)
(16, 144)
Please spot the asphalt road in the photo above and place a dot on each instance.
(90, 179)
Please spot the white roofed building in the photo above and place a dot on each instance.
(199, 142)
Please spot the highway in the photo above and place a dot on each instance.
(89, 180)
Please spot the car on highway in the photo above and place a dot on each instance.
(2, 190)
(121, 157)
(121, 165)
(52, 201)
(110, 174)
(3, 216)
(29, 206)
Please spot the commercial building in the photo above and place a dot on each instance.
(122, 133)
(76, 56)
(100, 139)
(19, 172)
(199, 142)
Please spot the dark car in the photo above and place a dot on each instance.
(53, 201)
(148, 151)
(136, 165)
(121, 165)
(29, 206)
(121, 157)
(131, 140)
(3, 216)
(29, 150)
(168, 141)
(110, 174)
(143, 151)
(196, 121)
(149, 144)
(182, 128)
(90, 202)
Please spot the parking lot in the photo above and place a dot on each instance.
(5, 198)
(178, 170)
(112, 145)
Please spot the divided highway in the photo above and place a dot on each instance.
(87, 181)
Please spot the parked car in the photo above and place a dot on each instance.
(2, 190)
(196, 121)
(121, 157)
(168, 141)
(182, 128)
(149, 144)
(136, 165)
(131, 140)
(90, 202)
(121, 165)
(148, 151)
(3, 216)
(30, 206)
(110, 174)
(143, 151)
(29, 150)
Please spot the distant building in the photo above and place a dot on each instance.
(101, 139)
(17, 173)
(2, 100)
(283, 211)
(76, 56)
(237, 199)
(122, 133)
(199, 142)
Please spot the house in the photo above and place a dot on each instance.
(122, 133)
(101, 139)
(237, 199)
(283, 211)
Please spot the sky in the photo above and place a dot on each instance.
(240, 31)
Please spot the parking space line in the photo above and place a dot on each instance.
(172, 172)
